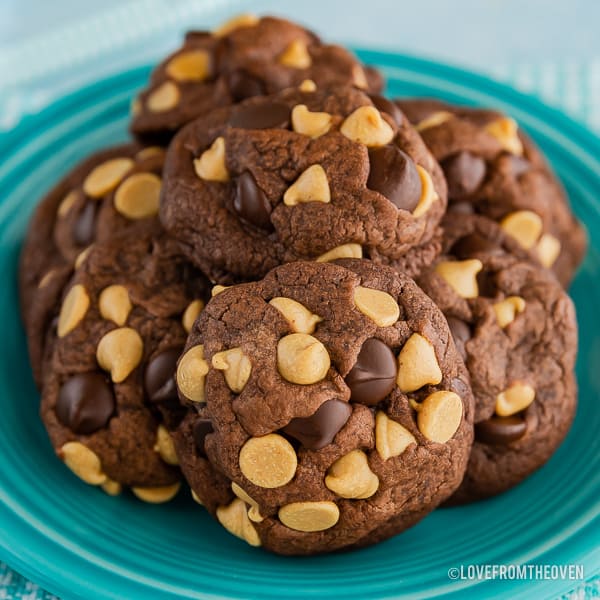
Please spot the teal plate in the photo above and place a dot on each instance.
(79, 543)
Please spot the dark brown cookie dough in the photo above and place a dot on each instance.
(301, 176)
(246, 57)
(113, 190)
(331, 398)
(109, 392)
(494, 169)
(515, 327)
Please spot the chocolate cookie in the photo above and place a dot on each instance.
(245, 57)
(113, 190)
(515, 327)
(494, 169)
(109, 393)
(301, 175)
(331, 398)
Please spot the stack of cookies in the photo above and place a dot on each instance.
(327, 311)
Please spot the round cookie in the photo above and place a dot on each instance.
(494, 169)
(331, 399)
(515, 328)
(245, 57)
(113, 190)
(301, 175)
(109, 395)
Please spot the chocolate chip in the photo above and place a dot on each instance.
(266, 115)
(251, 203)
(394, 174)
(486, 284)
(373, 376)
(464, 173)
(501, 430)
(84, 228)
(518, 165)
(202, 427)
(473, 244)
(242, 85)
(159, 378)
(461, 333)
(85, 403)
(384, 105)
(318, 430)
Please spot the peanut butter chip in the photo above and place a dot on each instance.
(433, 120)
(217, 289)
(506, 130)
(359, 78)
(300, 319)
(191, 314)
(379, 306)
(112, 488)
(238, 22)
(311, 186)
(312, 124)
(67, 203)
(268, 461)
(163, 98)
(307, 86)
(547, 250)
(507, 310)
(309, 516)
(428, 193)
(211, 164)
(191, 374)
(165, 446)
(189, 66)
(236, 367)
(391, 438)
(82, 256)
(366, 126)
(253, 510)
(514, 399)
(46, 279)
(461, 276)
(196, 498)
(157, 495)
(343, 251)
(351, 476)
(73, 309)
(296, 56)
(235, 519)
(525, 226)
(106, 177)
(83, 462)
(114, 304)
(439, 416)
(302, 359)
(417, 364)
(138, 196)
(150, 152)
(119, 352)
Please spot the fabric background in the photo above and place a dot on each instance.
(552, 50)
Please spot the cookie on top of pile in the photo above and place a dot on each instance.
(329, 402)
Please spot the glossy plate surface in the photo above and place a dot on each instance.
(79, 543)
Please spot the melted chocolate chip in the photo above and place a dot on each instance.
(267, 115)
(464, 173)
(394, 174)
(84, 228)
(461, 333)
(473, 244)
(387, 106)
(501, 430)
(159, 378)
(85, 403)
(486, 284)
(251, 203)
(319, 429)
(243, 85)
(373, 376)
(202, 427)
